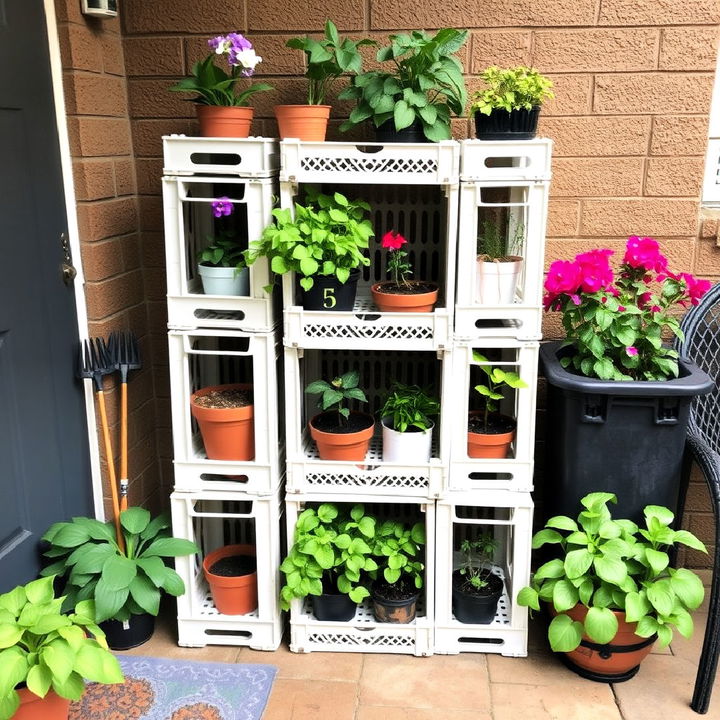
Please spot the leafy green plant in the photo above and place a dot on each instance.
(47, 650)
(409, 406)
(519, 88)
(477, 554)
(330, 544)
(336, 392)
(492, 391)
(607, 565)
(493, 244)
(326, 237)
(396, 549)
(426, 84)
(86, 553)
(222, 251)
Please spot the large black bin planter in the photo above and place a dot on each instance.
(625, 438)
(139, 630)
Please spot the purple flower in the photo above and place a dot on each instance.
(631, 351)
(222, 206)
(239, 42)
(217, 44)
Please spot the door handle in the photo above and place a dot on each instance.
(67, 269)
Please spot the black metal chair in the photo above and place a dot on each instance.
(701, 327)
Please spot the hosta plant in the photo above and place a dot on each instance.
(608, 564)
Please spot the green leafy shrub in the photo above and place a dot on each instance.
(409, 406)
(477, 556)
(396, 549)
(491, 391)
(339, 390)
(519, 88)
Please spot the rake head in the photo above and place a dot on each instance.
(94, 361)
(124, 353)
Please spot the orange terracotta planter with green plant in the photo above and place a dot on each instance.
(32, 707)
(233, 594)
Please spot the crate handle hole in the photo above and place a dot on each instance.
(230, 633)
(368, 317)
(224, 478)
(215, 158)
(490, 476)
(370, 149)
(507, 162)
(207, 314)
(481, 641)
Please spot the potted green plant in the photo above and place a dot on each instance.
(476, 588)
(406, 424)
(323, 244)
(328, 560)
(46, 655)
(223, 110)
(400, 294)
(125, 586)
(499, 263)
(491, 434)
(611, 590)
(509, 107)
(338, 432)
(413, 101)
(326, 60)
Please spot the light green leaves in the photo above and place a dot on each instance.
(564, 633)
(601, 625)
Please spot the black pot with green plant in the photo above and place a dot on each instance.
(476, 587)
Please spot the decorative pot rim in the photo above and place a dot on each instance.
(473, 413)
(302, 105)
(229, 551)
(375, 286)
(242, 110)
(244, 412)
(507, 260)
(324, 434)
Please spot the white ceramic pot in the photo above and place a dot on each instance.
(224, 281)
(495, 282)
(410, 448)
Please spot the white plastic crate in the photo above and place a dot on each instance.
(516, 471)
(189, 222)
(242, 157)
(461, 516)
(306, 473)
(363, 633)
(213, 520)
(200, 358)
(514, 208)
(525, 160)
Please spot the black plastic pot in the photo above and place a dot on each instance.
(333, 607)
(328, 293)
(474, 609)
(393, 611)
(140, 630)
(625, 438)
(387, 133)
(503, 125)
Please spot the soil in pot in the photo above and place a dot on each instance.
(234, 566)
(334, 441)
(32, 707)
(477, 606)
(413, 297)
(494, 442)
(234, 587)
(394, 603)
(227, 398)
(124, 636)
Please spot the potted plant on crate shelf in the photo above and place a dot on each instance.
(610, 588)
(328, 560)
(47, 655)
(221, 109)
(491, 434)
(322, 244)
(406, 424)
(401, 294)
(476, 588)
(509, 107)
(338, 432)
(498, 264)
(231, 574)
(414, 100)
(126, 585)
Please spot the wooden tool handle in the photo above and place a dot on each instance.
(111, 470)
(123, 442)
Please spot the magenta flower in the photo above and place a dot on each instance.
(696, 288)
(392, 240)
(644, 253)
(595, 268)
(222, 206)
(631, 351)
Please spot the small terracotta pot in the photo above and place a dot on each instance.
(32, 707)
(396, 302)
(342, 446)
(304, 122)
(232, 595)
(222, 121)
(491, 446)
(227, 433)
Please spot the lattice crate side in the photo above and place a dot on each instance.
(307, 473)
(213, 520)
(241, 157)
(505, 159)
(465, 516)
(427, 217)
(250, 479)
(363, 633)
(518, 210)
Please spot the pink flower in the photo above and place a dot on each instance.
(222, 206)
(644, 253)
(563, 277)
(392, 240)
(643, 300)
(595, 270)
(696, 287)
(631, 351)
(621, 308)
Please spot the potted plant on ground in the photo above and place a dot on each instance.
(414, 100)
(46, 655)
(476, 589)
(618, 398)
(406, 424)
(499, 264)
(326, 60)
(509, 107)
(491, 434)
(221, 264)
(231, 574)
(323, 245)
(221, 109)
(401, 294)
(328, 559)
(611, 588)
(338, 432)
(125, 585)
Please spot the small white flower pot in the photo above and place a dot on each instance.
(411, 448)
(224, 281)
(495, 282)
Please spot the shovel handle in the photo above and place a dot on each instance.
(123, 443)
(111, 470)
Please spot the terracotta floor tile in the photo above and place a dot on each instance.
(293, 699)
(383, 712)
(541, 667)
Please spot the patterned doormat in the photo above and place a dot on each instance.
(161, 689)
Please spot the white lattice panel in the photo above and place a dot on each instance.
(491, 160)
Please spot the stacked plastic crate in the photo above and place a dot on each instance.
(223, 189)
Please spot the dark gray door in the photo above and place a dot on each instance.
(44, 466)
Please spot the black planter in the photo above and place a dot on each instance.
(625, 438)
(333, 607)
(387, 133)
(503, 125)
(474, 609)
(328, 293)
(140, 630)
(393, 611)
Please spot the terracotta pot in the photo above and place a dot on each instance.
(222, 121)
(227, 433)
(232, 595)
(392, 302)
(342, 446)
(304, 122)
(492, 446)
(32, 707)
